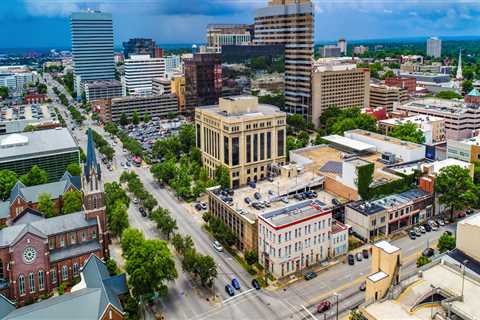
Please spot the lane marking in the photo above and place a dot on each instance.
(239, 295)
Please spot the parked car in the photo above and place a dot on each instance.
(257, 195)
(351, 259)
(412, 235)
(363, 286)
(252, 184)
(248, 200)
(255, 284)
(309, 275)
(335, 202)
(299, 196)
(433, 225)
(135, 201)
(365, 253)
(441, 222)
(428, 252)
(217, 246)
(235, 284)
(203, 205)
(229, 290)
(142, 211)
(447, 232)
(469, 211)
(198, 207)
(418, 233)
(358, 256)
(427, 227)
(422, 229)
(285, 199)
(324, 306)
(270, 179)
(270, 192)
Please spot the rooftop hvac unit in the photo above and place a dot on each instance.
(388, 158)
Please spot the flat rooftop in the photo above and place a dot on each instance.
(303, 210)
(355, 145)
(20, 146)
(437, 166)
(442, 106)
(103, 83)
(384, 138)
(261, 110)
(418, 119)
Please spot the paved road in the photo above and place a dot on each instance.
(187, 301)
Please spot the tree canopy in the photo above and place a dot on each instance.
(448, 95)
(8, 179)
(34, 177)
(72, 202)
(408, 132)
(446, 243)
(46, 205)
(74, 169)
(337, 121)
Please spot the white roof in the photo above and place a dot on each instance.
(386, 246)
(13, 140)
(377, 276)
(350, 143)
(472, 220)
(439, 165)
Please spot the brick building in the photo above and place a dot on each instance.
(37, 254)
(410, 84)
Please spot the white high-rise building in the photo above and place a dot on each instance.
(92, 47)
(342, 44)
(434, 47)
(139, 72)
(172, 63)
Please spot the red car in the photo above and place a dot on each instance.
(324, 306)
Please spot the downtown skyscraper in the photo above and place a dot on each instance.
(291, 23)
(92, 47)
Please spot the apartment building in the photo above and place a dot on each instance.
(383, 96)
(409, 84)
(103, 89)
(139, 72)
(296, 237)
(154, 106)
(359, 50)
(178, 89)
(139, 46)
(203, 80)
(461, 119)
(388, 215)
(339, 84)
(434, 47)
(161, 86)
(219, 35)
(243, 135)
(330, 51)
(433, 128)
(291, 23)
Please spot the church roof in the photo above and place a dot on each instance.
(474, 93)
(91, 164)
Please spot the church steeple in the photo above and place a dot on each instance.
(92, 167)
(459, 67)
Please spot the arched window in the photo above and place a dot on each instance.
(21, 285)
(41, 280)
(31, 282)
(94, 202)
(53, 276)
(2, 274)
(75, 269)
(64, 273)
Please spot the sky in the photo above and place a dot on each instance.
(45, 23)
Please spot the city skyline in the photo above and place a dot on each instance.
(157, 18)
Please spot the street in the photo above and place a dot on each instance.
(186, 300)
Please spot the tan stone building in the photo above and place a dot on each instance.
(433, 128)
(382, 96)
(242, 135)
(339, 84)
(290, 23)
(178, 89)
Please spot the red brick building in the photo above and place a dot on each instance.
(35, 98)
(37, 254)
(410, 84)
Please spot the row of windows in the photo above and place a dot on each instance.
(41, 279)
(72, 237)
(298, 246)
(297, 233)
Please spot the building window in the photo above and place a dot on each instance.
(235, 151)
(21, 285)
(262, 146)
(249, 148)
(94, 234)
(280, 143)
(2, 274)
(73, 238)
(255, 147)
(64, 273)
(53, 276)
(51, 243)
(75, 269)
(41, 280)
(31, 282)
(94, 202)
(269, 145)
(226, 154)
(84, 236)
(62, 242)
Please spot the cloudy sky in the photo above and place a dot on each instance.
(44, 23)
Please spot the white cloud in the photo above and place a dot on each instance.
(52, 8)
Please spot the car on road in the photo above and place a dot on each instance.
(270, 179)
(324, 306)
(247, 200)
(422, 229)
(255, 284)
(309, 275)
(427, 227)
(285, 199)
(365, 253)
(252, 184)
(135, 201)
(299, 196)
(469, 211)
(257, 195)
(198, 207)
(229, 290)
(428, 252)
(203, 205)
(448, 232)
(441, 222)
(351, 259)
(235, 284)
(335, 202)
(418, 233)
(359, 256)
(412, 235)
(142, 211)
(363, 286)
(217, 246)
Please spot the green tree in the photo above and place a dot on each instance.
(3, 92)
(467, 86)
(222, 176)
(182, 244)
(131, 238)
(251, 257)
(408, 132)
(186, 135)
(150, 202)
(8, 179)
(166, 148)
(72, 202)
(29, 128)
(146, 117)
(446, 243)
(206, 269)
(388, 74)
(112, 267)
(356, 315)
(448, 95)
(114, 193)
(124, 119)
(74, 169)
(135, 118)
(165, 223)
(297, 121)
(422, 260)
(149, 266)
(455, 187)
(118, 218)
(364, 179)
(165, 171)
(304, 137)
(34, 177)
(46, 205)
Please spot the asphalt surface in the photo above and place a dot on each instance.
(186, 300)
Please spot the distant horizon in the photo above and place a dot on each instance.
(185, 45)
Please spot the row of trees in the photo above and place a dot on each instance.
(61, 96)
(9, 178)
(336, 121)
(72, 202)
(103, 146)
(135, 186)
(135, 118)
(130, 144)
(76, 115)
(116, 202)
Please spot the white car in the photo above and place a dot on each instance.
(422, 229)
(440, 222)
(135, 201)
(217, 246)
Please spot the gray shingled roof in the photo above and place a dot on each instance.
(6, 306)
(4, 209)
(75, 250)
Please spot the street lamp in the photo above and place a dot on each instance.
(465, 263)
(336, 297)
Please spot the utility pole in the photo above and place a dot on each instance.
(336, 296)
(465, 262)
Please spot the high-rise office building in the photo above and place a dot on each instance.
(330, 51)
(92, 47)
(219, 35)
(203, 80)
(139, 72)
(139, 46)
(434, 47)
(291, 23)
(342, 44)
